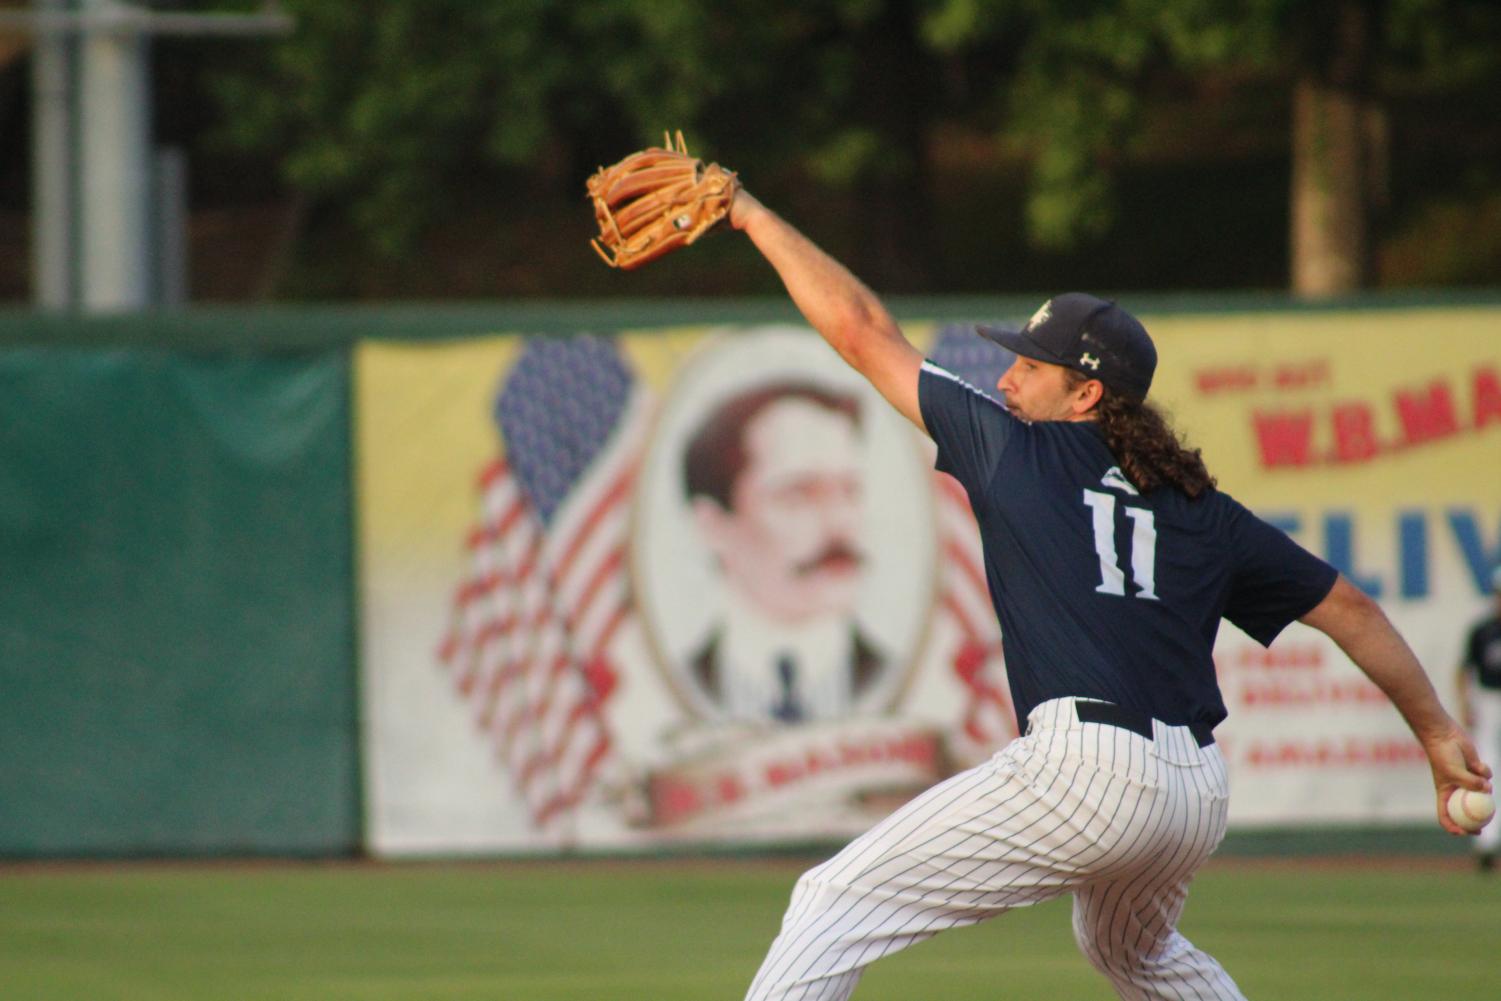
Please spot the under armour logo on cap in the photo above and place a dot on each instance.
(1087, 334)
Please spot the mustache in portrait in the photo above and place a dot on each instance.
(838, 555)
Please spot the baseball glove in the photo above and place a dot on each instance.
(655, 201)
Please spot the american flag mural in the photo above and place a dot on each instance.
(963, 596)
(529, 644)
(542, 645)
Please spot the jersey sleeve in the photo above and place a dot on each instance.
(969, 428)
(1275, 581)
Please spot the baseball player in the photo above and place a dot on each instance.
(1480, 699)
(1111, 558)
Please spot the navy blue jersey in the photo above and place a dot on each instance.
(1103, 592)
(1483, 652)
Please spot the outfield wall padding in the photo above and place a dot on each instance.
(176, 663)
(180, 545)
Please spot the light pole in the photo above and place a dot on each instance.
(95, 246)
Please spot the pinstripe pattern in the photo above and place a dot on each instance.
(1487, 703)
(1120, 821)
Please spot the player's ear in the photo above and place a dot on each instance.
(1087, 394)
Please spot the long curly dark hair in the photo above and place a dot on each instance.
(1151, 453)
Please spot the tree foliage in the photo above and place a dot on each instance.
(382, 108)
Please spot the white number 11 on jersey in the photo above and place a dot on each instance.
(1143, 546)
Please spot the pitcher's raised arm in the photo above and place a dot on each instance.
(836, 304)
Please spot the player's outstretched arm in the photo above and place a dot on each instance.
(836, 304)
(1355, 622)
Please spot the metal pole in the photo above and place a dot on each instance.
(54, 175)
(116, 168)
(92, 165)
(172, 236)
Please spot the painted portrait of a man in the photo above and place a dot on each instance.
(765, 599)
(774, 479)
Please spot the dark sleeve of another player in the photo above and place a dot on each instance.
(1275, 581)
(969, 428)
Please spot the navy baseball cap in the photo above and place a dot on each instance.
(1089, 335)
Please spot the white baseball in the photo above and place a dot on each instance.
(1471, 810)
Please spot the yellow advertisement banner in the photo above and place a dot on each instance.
(563, 573)
(1374, 439)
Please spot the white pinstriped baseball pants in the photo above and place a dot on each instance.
(1487, 734)
(1119, 821)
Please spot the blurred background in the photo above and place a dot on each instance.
(311, 150)
(320, 429)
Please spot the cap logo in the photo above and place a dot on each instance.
(1043, 314)
(1090, 360)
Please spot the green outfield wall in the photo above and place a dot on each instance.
(176, 614)
(179, 616)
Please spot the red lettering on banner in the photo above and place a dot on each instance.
(1283, 654)
(1285, 377)
(1286, 439)
(1427, 415)
(1221, 380)
(917, 750)
(1354, 433)
(673, 798)
(1331, 753)
(676, 797)
(815, 762)
(730, 789)
(780, 773)
(1487, 396)
(1286, 693)
(888, 762)
(1424, 415)
(1302, 375)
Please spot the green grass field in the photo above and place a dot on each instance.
(693, 929)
